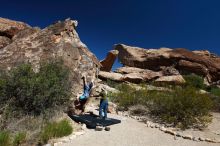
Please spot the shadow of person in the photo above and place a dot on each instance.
(92, 120)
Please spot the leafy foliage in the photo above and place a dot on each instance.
(34, 92)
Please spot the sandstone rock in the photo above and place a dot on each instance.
(110, 75)
(195, 139)
(176, 79)
(133, 77)
(59, 40)
(141, 58)
(169, 131)
(201, 139)
(169, 70)
(100, 87)
(205, 53)
(178, 134)
(108, 62)
(136, 75)
(4, 41)
(127, 70)
(9, 28)
(130, 77)
(181, 59)
(192, 67)
(190, 137)
(98, 128)
(162, 128)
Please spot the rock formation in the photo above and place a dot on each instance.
(108, 62)
(182, 61)
(20, 43)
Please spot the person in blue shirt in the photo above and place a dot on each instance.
(82, 99)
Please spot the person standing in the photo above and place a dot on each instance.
(103, 108)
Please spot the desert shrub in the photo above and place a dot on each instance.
(128, 96)
(180, 106)
(215, 92)
(5, 138)
(56, 129)
(111, 83)
(183, 107)
(195, 81)
(19, 138)
(35, 92)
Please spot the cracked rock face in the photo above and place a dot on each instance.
(22, 44)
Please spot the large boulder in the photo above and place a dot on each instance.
(201, 63)
(110, 76)
(137, 75)
(125, 74)
(57, 41)
(108, 62)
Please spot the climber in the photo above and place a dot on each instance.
(83, 98)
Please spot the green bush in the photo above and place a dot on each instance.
(180, 106)
(195, 81)
(128, 96)
(56, 129)
(215, 91)
(111, 83)
(5, 139)
(19, 138)
(35, 92)
(183, 106)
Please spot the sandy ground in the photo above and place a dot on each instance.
(131, 133)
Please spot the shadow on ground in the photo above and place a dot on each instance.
(92, 120)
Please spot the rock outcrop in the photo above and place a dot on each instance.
(9, 28)
(175, 79)
(108, 62)
(183, 61)
(33, 45)
(137, 75)
(111, 76)
(133, 77)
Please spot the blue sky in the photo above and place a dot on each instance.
(191, 24)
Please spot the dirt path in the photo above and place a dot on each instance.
(130, 133)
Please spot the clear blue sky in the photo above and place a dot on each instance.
(191, 24)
